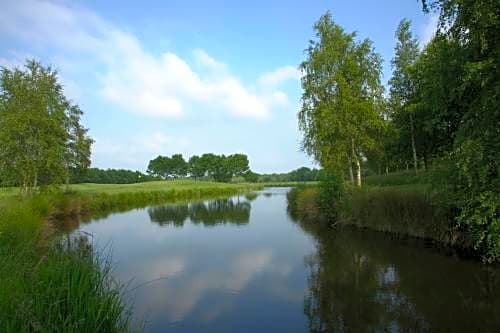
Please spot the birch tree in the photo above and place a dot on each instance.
(341, 100)
(402, 86)
(41, 137)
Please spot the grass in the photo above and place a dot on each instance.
(51, 284)
(181, 184)
(395, 205)
(401, 210)
(400, 178)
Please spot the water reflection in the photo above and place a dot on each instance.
(281, 274)
(363, 282)
(207, 213)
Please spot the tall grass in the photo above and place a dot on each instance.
(407, 210)
(53, 286)
(401, 178)
(398, 210)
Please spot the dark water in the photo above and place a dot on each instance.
(244, 265)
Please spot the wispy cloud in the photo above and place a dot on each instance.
(428, 30)
(274, 78)
(132, 78)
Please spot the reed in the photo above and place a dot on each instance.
(402, 211)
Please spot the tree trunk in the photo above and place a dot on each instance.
(386, 169)
(413, 147)
(351, 174)
(358, 172)
(24, 188)
(35, 181)
(358, 164)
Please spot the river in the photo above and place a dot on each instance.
(243, 264)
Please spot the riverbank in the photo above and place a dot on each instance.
(410, 210)
(51, 284)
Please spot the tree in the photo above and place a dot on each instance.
(251, 176)
(222, 168)
(238, 164)
(156, 167)
(209, 161)
(473, 162)
(41, 138)
(179, 167)
(197, 168)
(109, 176)
(402, 86)
(79, 144)
(342, 98)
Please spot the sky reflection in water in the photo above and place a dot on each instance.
(243, 264)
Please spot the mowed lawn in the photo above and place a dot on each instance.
(165, 185)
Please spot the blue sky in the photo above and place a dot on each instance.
(162, 77)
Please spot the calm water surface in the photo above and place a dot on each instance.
(243, 264)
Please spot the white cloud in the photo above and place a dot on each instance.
(274, 78)
(132, 78)
(205, 60)
(124, 153)
(428, 30)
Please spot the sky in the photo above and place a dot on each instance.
(164, 77)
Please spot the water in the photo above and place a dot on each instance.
(244, 265)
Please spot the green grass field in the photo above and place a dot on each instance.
(166, 185)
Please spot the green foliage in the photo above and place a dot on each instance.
(41, 137)
(471, 29)
(178, 165)
(331, 192)
(219, 167)
(196, 167)
(402, 89)
(251, 176)
(342, 97)
(109, 176)
(168, 167)
(304, 174)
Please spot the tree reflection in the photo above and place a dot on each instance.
(209, 213)
(174, 214)
(364, 282)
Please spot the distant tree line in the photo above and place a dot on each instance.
(109, 176)
(302, 174)
(220, 168)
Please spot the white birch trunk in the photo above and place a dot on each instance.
(358, 164)
(413, 146)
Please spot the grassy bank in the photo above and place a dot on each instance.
(401, 210)
(401, 178)
(50, 284)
